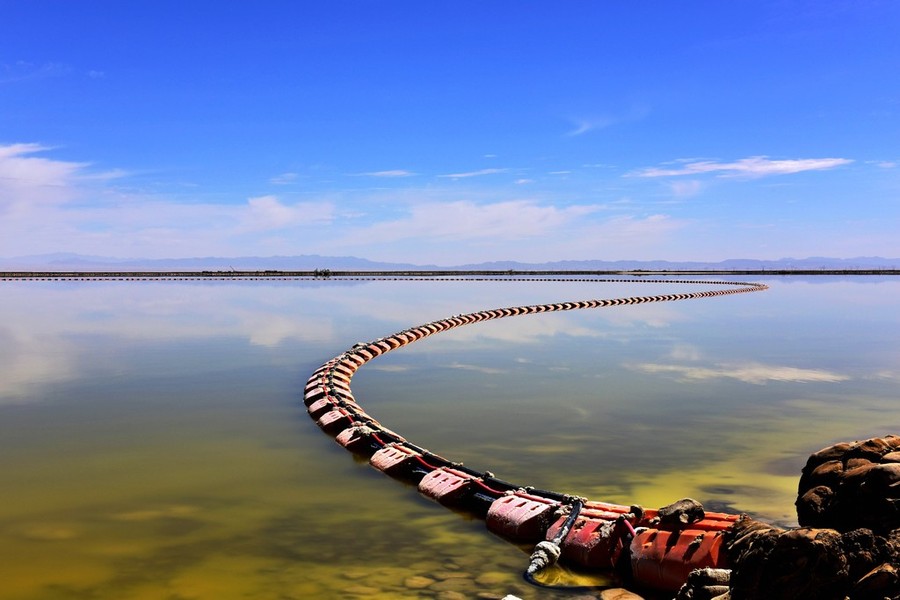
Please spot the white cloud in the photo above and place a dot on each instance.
(478, 173)
(49, 205)
(583, 126)
(447, 232)
(466, 220)
(24, 70)
(284, 179)
(390, 173)
(27, 180)
(755, 166)
(269, 208)
(685, 188)
(267, 212)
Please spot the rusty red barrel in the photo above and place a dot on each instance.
(664, 559)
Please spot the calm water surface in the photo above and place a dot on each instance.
(154, 445)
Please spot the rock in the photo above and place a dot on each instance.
(891, 457)
(453, 584)
(442, 575)
(797, 564)
(814, 506)
(828, 473)
(881, 582)
(492, 578)
(681, 512)
(417, 582)
(809, 564)
(851, 486)
(361, 590)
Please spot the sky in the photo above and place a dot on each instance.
(450, 132)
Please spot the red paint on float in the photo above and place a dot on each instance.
(398, 461)
(521, 517)
(664, 559)
(446, 485)
(335, 421)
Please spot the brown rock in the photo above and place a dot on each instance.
(853, 463)
(828, 473)
(453, 584)
(881, 582)
(417, 582)
(847, 486)
(873, 448)
(813, 507)
(891, 457)
(681, 512)
(492, 578)
(835, 452)
(797, 564)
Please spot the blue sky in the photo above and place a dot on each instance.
(450, 132)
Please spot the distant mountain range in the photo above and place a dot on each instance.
(310, 262)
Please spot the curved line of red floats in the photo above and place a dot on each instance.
(661, 555)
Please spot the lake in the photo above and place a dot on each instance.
(154, 443)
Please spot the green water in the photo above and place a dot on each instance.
(153, 443)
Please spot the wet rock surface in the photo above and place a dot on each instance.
(852, 485)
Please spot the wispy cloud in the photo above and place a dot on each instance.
(24, 70)
(26, 179)
(390, 173)
(478, 173)
(685, 188)
(284, 179)
(466, 220)
(583, 126)
(755, 166)
(268, 212)
(49, 205)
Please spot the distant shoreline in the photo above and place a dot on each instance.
(323, 274)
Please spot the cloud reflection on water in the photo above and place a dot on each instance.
(748, 372)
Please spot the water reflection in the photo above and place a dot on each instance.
(154, 444)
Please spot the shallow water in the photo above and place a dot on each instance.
(154, 444)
